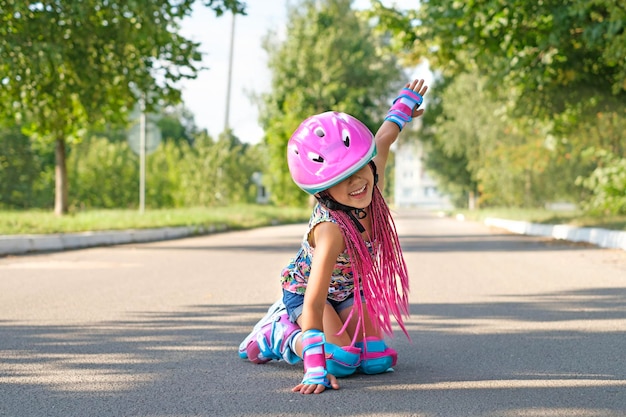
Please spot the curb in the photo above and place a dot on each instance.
(22, 244)
(613, 239)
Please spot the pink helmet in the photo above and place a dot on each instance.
(328, 148)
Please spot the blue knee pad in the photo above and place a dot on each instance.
(341, 361)
(376, 357)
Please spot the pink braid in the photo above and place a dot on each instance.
(383, 277)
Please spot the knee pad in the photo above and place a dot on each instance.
(376, 356)
(341, 361)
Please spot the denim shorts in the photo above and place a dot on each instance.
(295, 302)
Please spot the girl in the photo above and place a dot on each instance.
(350, 247)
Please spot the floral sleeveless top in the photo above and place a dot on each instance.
(296, 274)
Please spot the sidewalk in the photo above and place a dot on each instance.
(22, 244)
(612, 239)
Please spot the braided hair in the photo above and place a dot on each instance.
(380, 276)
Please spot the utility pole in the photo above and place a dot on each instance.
(142, 156)
(230, 73)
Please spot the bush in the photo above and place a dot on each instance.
(26, 172)
(105, 174)
(607, 184)
(102, 174)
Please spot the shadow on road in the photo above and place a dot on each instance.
(489, 359)
(411, 243)
(291, 249)
(486, 243)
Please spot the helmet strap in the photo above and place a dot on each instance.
(374, 170)
(354, 213)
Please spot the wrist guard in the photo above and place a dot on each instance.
(401, 112)
(314, 358)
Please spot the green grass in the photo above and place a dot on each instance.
(234, 217)
(573, 218)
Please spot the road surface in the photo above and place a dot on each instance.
(501, 325)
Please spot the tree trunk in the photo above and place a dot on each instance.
(60, 178)
(472, 201)
(528, 188)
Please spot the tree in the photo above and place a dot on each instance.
(558, 57)
(448, 164)
(71, 65)
(177, 124)
(560, 67)
(540, 46)
(330, 60)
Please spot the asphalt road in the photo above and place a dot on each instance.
(502, 325)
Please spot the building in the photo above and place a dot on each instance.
(413, 186)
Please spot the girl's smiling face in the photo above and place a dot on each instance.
(356, 190)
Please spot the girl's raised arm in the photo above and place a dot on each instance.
(405, 107)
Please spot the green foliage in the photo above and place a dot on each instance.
(400, 28)
(540, 46)
(26, 172)
(163, 175)
(451, 173)
(607, 184)
(217, 173)
(330, 60)
(222, 6)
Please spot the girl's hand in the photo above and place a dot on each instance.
(420, 87)
(315, 389)
(406, 106)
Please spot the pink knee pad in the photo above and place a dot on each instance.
(376, 356)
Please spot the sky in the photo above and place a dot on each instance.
(206, 95)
